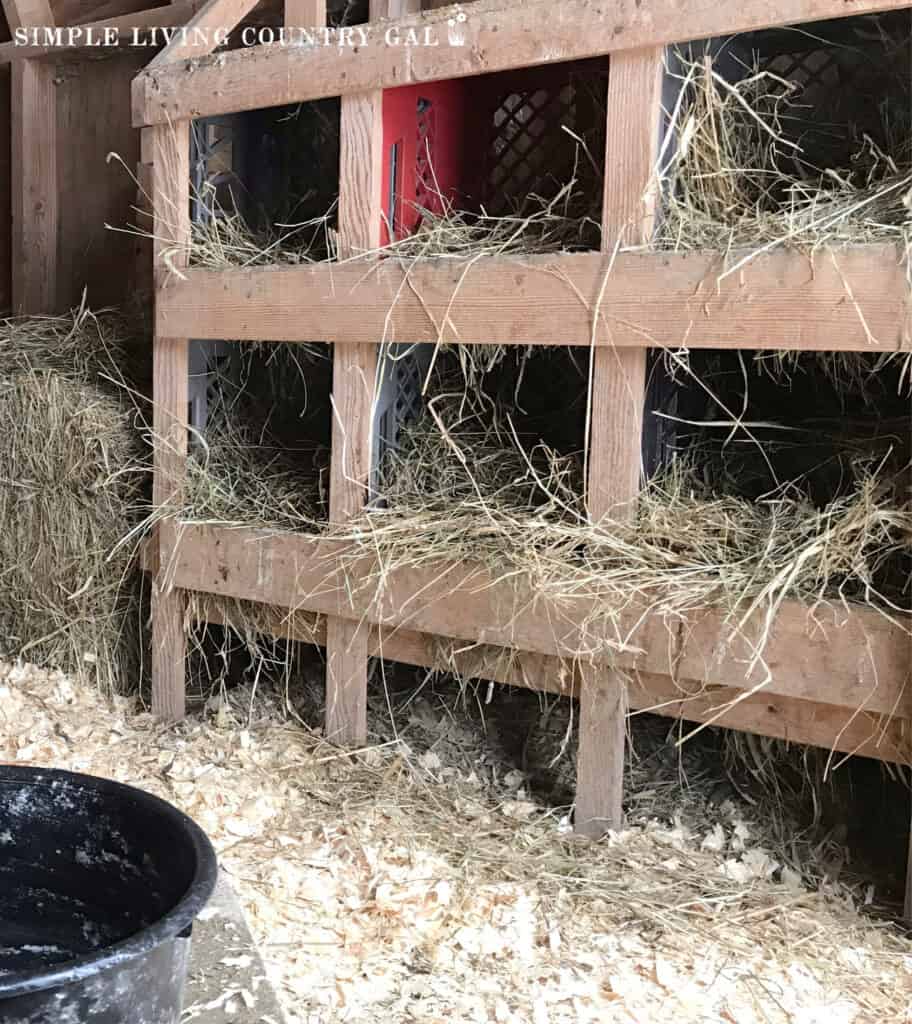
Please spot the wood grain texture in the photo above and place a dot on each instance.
(165, 15)
(617, 397)
(80, 12)
(142, 243)
(907, 904)
(169, 650)
(170, 149)
(856, 660)
(393, 8)
(6, 195)
(305, 13)
(498, 35)
(93, 121)
(649, 299)
(199, 38)
(634, 109)
(360, 172)
(33, 175)
(354, 372)
(787, 718)
(27, 13)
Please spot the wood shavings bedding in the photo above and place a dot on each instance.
(389, 888)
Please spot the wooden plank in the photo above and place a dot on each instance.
(93, 121)
(170, 148)
(380, 9)
(305, 13)
(354, 372)
(142, 243)
(34, 189)
(907, 905)
(199, 37)
(781, 300)
(360, 171)
(27, 13)
(6, 195)
(79, 12)
(787, 718)
(856, 659)
(497, 35)
(123, 25)
(617, 397)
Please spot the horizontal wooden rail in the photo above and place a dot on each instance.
(496, 36)
(855, 660)
(854, 299)
(786, 718)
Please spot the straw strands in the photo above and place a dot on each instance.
(463, 488)
(74, 479)
(418, 879)
(748, 165)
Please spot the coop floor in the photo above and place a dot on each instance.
(422, 880)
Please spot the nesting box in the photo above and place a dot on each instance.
(484, 144)
(488, 143)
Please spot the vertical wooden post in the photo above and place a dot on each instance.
(354, 373)
(305, 13)
(33, 177)
(27, 14)
(618, 394)
(907, 908)
(169, 146)
(394, 8)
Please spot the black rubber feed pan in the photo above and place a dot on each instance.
(99, 885)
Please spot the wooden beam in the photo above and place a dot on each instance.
(786, 718)
(305, 13)
(857, 659)
(200, 35)
(27, 14)
(33, 175)
(386, 9)
(497, 35)
(166, 16)
(170, 151)
(781, 300)
(354, 372)
(617, 400)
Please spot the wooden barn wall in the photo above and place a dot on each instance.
(6, 211)
(93, 121)
(78, 12)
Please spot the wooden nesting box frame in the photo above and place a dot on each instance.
(834, 677)
(52, 161)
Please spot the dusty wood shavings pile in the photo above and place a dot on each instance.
(395, 887)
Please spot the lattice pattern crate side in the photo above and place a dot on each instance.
(217, 170)
(401, 374)
(543, 127)
(425, 152)
(839, 84)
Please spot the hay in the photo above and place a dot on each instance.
(753, 164)
(75, 477)
(465, 484)
(566, 222)
(410, 882)
(463, 488)
(263, 456)
(226, 240)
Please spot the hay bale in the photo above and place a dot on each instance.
(75, 481)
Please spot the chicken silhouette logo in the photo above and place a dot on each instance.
(456, 28)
